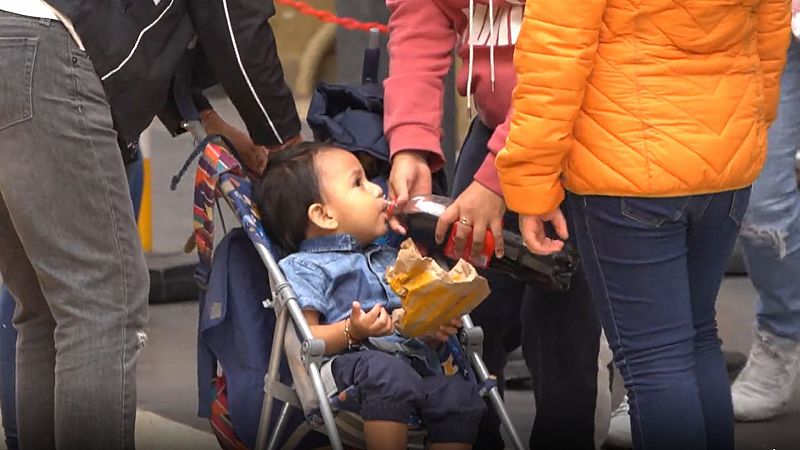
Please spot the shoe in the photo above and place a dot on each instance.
(765, 385)
(619, 430)
(734, 363)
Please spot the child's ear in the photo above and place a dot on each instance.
(319, 216)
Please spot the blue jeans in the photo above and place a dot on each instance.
(560, 338)
(655, 266)
(771, 228)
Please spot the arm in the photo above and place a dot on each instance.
(352, 330)
(774, 17)
(242, 51)
(422, 40)
(309, 283)
(553, 59)
(333, 334)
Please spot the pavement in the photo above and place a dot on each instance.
(167, 379)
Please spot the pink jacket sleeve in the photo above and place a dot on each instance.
(487, 172)
(421, 41)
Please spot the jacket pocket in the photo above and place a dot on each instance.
(653, 212)
(16, 79)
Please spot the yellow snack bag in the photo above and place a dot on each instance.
(432, 296)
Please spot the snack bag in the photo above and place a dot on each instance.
(432, 296)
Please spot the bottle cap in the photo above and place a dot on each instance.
(391, 207)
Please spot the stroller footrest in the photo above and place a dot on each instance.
(284, 393)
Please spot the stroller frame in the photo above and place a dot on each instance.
(284, 302)
(312, 350)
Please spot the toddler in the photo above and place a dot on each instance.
(317, 204)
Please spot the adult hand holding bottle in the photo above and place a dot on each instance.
(410, 176)
(475, 210)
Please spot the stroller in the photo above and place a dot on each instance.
(297, 376)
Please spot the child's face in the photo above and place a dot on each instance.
(357, 205)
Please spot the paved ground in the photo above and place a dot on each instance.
(167, 382)
(167, 377)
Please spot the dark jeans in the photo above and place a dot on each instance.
(8, 369)
(559, 334)
(655, 267)
(389, 389)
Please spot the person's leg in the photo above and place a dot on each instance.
(389, 391)
(36, 338)
(561, 338)
(499, 318)
(771, 241)
(712, 235)
(8, 368)
(69, 214)
(451, 411)
(498, 315)
(635, 256)
(8, 334)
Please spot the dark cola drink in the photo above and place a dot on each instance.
(420, 215)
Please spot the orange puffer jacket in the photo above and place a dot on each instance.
(666, 98)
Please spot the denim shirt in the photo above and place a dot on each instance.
(329, 273)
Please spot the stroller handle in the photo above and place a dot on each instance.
(372, 58)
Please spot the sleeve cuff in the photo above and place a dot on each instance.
(533, 199)
(487, 175)
(410, 137)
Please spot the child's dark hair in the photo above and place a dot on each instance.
(290, 185)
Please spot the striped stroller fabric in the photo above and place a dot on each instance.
(216, 160)
(221, 419)
(219, 173)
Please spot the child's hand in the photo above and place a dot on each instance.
(445, 331)
(377, 322)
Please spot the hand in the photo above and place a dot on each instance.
(410, 176)
(253, 156)
(286, 144)
(795, 6)
(444, 332)
(481, 208)
(377, 322)
(532, 229)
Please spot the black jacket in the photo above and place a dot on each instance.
(136, 47)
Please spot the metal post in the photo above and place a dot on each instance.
(350, 44)
(325, 408)
(494, 393)
(272, 379)
(279, 426)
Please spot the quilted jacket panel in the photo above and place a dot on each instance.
(649, 98)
